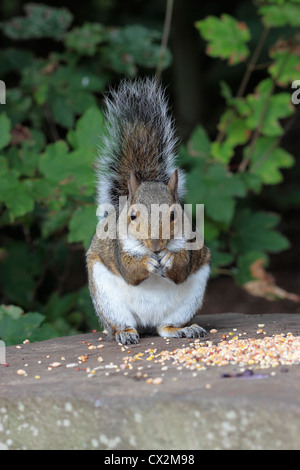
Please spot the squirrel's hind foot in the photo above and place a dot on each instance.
(192, 331)
(127, 336)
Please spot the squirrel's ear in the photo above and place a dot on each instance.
(132, 184)
(173, 182)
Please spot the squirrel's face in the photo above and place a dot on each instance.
(153, 209)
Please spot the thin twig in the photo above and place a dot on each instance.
(52, 127)
(165, 38)
(252, 62)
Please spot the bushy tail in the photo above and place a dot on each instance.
(139, 137)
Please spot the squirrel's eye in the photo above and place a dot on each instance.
(133, 215)
(172, 215)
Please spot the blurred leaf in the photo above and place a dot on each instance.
(5, 127)
(279, 107)
(41, 21)
(16, 326)
(131, 45)
(58, 306)
(237, 133)
(86, 38)
(62, 112)
(82, 225)
(254, 231)
(88, 130)
(199, 143)
(14, 193)
(285, 66)
(220, 204)
(226, 38)
(220, 258)
(281, 14)
(267, 159)
(71, 172)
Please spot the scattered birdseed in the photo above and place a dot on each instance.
(213, 330)
(157, 381)
(55, 364)
(26, 341)
(261, 353)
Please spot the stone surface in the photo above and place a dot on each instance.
(67, 408)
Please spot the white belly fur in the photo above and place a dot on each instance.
(156, 301)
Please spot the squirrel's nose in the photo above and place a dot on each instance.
(155, 246)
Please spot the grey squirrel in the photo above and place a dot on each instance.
(137, 281)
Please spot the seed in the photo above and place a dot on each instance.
(55, 364)
(157, 381)
(213, 330)
(21, 372)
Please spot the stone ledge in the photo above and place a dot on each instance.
(67, 408)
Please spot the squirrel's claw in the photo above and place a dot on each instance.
(127, 336)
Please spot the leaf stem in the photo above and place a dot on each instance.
(252, 63)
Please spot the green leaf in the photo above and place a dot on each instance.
(199, 143)
(267, 159)
(86, 38)
(285, 67)
(14, 193)
(5, 126)
(41, 21)
(16, 326)
(237, 133)
(220, 258)
(131, 45)
(254, 231)
(88, 130)
(62, 112)
(68, 172)
(219, 204)
(287, 13)
(82, 225)
(226, 38)
(278, 107)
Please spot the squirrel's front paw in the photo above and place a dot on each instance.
(127, 336)
(152, 264)
(166, 261)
